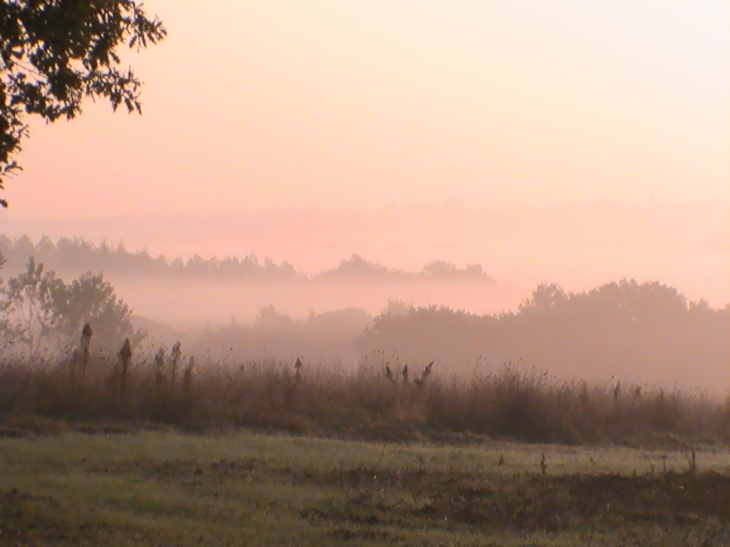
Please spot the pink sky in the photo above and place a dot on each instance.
(255, 105)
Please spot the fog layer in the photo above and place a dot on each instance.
(362, 312)
(684, 245)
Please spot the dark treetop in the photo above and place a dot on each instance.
(53, 53)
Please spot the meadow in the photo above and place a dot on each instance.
(166, 488)
(164, 451)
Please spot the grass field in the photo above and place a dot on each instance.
(166, 488)
(377, 402)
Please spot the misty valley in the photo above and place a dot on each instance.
(362, 313)
(364, 274)
(391, 416)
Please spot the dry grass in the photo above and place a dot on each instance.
(377, 403)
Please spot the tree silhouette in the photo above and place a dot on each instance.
(53, 53)
(625, 328)
(28, 309)
(92, 300)
(38, 311)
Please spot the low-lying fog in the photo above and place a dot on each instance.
(190, 306)
(686, 245)
(323, 294)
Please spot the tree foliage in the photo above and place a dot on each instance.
(646, 331)
(54, 53)
(38, 311)
(28, 312)
(92, 300)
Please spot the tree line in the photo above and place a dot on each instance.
(646, 332)
(643, 331)
(639, 330)
(71, 256)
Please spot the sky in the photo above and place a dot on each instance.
(260, 106)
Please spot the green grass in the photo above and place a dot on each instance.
(249, 489)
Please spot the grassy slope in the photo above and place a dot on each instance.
(247, 489)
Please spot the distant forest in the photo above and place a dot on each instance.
(73, 256)
(640, 331)
(644, 331)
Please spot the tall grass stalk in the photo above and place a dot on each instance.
(372, 402)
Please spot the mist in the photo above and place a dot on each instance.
(317, 285)
(686, 245)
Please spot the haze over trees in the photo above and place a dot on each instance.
(323, 338)
(69, 255)
(189, 293)
(684, 245)
(645, 332)
(41, 315)
(187, 422)
(638, 331)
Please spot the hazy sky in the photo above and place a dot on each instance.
(256, 105)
